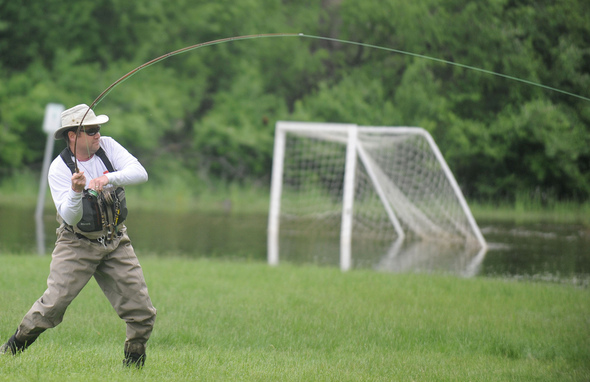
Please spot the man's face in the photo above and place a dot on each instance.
(88, 139)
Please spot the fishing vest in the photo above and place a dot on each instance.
(100, 210)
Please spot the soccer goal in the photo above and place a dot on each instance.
(342, 191)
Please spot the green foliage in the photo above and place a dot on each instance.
(357, 98)
(542, 143)
(213, 109)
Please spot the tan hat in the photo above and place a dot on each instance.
(73, 116)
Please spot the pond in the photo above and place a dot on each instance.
(538, 251)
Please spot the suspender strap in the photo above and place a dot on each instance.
(66, 155)
(103, 156)
(67, 158)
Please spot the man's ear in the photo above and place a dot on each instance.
(71, 135)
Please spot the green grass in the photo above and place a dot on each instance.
(251, 322)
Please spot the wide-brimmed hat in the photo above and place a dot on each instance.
(73, 116)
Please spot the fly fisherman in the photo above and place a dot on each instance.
(92, 240)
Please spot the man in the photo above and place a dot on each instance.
(91, 239)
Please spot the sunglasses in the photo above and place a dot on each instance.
(92, 131)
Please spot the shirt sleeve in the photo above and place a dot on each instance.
(128, 169)
(68, 202)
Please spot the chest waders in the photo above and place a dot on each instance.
(100, 211)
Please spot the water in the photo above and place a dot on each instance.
(538, 251)
(554, 252)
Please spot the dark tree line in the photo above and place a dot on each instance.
(210, 113)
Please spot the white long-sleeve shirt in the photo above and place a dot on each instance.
(69, 202)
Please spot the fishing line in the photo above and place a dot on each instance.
(449, 63)
(250, 37)
(269, 35)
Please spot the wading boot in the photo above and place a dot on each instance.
(13, 345)
(134, 355)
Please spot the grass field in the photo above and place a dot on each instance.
(247, 321)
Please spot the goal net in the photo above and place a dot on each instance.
(343, 192)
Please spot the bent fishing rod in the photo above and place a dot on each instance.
(270, 35)
(161, 58)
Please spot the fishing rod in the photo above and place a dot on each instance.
(270, 35)
(161, 58)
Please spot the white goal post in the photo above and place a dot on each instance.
(339, 189)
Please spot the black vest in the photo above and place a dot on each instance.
(97, 213)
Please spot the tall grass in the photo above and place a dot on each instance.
(528, 208)
(176, 194)
(173, 194)
(251, 322)
(21, 189)
(254, 198)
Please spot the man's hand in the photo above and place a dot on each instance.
(78, 181)
(98, 184)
